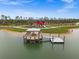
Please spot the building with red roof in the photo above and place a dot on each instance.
(40, 23)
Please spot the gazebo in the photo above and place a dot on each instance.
(33, 35)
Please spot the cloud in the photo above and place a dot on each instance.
(68, 1)
(11, 3)
(3, 0)
(68, 6)
(22, 11)
(15, 2)
(49, 0)
(18, 12)
(27, 1)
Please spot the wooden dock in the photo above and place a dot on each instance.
(35, 35)
(54, 40)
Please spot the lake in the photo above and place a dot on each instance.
(12, 47)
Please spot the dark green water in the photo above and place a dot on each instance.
(13, 47)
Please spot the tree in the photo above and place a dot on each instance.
(17, 17)
(6, 17)
(30, 18)
(20, 17)
(2, 17)
(46, 18)
(41, 18)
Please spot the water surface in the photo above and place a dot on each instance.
(13, 47)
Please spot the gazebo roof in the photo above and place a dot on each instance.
(33, 29)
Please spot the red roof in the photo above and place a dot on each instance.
(40, 22)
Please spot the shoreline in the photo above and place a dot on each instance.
(59, 30)
(5, 30)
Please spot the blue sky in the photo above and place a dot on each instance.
(40, 8)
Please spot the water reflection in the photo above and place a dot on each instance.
(58, 46)
(32, 46)
(36, 46)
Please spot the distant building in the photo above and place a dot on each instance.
(40, 24)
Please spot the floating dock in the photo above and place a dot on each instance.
(57, 40)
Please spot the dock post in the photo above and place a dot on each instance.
(64, 38)
(64, 42)
(58, 35)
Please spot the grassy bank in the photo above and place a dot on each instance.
(13, 29)
(51, 30)
(59, 29)
(55, 30)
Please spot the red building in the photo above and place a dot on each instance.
(40, 23)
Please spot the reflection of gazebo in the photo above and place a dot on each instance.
(40, 24)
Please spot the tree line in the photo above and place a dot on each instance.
(19, 20)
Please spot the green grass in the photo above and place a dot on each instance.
(16, 29)
(55, 30)
(13, 29)
(60, 30)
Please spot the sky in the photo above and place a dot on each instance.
(40, 8)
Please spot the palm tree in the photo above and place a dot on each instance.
(17, 17)
(25, 18)
(2, 17)
(6, 17)
(20, 17)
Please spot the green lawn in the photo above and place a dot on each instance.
(50, 30)
(16, 29)
(55, 30)
(59, 30)
(13, 29)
